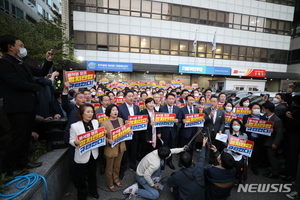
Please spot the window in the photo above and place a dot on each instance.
(134, 41)
(124, 40)
(20, 13)
(114, 4)
(125, 4)
(174, 44)
(102, 38)
(136, 5)
(165, 44)
(80, 37)
(146, 6)
(91, 38)
(145, 42)
(113, 39)
(102, 3)
(156, 7)
(40, 9)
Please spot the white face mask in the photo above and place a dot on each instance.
(246, 104)
(228, 109)
(120, 97)
(23, 52)
(236, 128)
(256, 111)
(93, 93)
(148, 92)
(233, 98)
(276, 101)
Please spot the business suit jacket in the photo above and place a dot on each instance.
(17, 82)
(219, 124)
(56, 109)
(71, 111)
(146, 135)
(75, 130)
(187, 132)
(276, 136)
(280, 111)
(119, 148)
(124, 113)
(99, 110)
(164, 131)
(182, 101)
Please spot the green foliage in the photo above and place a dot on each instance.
(40, 37)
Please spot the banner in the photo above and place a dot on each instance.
(80, 79)
(91, 140)
(180, 105)
(202, 69)
(101, 117)
(96, 105)
(119, 101)
(248, 72)
(229, 118)
(241, 111)
(109, 66)
(207, 102)
(194, 120)
(104, 80)
(121, 134)
(141, 105)
(195, 85)
(138, 122)
(242, 146)
(188, 87)
(200, 109)
(175, 82)
(259, 126)
(220, 106)
(164, 119)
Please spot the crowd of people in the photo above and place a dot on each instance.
(211, 177)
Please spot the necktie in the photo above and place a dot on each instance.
(191, 110)
(170, 110)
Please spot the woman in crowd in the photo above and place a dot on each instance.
(85, 164)
(113, 155)
(245, 102)
(120, 94)
(148, 137)
(202, 104)
(228, 108)
(111, 96)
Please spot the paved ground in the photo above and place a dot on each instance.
(128, 180)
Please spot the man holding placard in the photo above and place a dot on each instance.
(168, 134)
(186, 133)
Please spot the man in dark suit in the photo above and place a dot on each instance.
(183, 94)
(272, 142)
(71, 111)
(156, 98)
(214, 119)
(129, 109)
(16, 79)
(169, 134)
(186, 134)
(56, 109)
(280, 108)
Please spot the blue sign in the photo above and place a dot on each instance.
(108, 66)
(201, 69)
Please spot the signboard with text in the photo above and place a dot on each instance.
(91, 140)
(121, 134)
(80, 79)
(164, 119)
(194, 120)
(138, 122)
(259, 126)
(109, 66)
(242, 146)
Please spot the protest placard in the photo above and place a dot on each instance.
(241, 111)
(80, 79)
(101, 117)
(121, 134)
(91, 140)
(138, 122)
(229, 118)
(242, 146)
(119, 101)
(259, 126)
(96, 105)
(194, 120)
(164, 119)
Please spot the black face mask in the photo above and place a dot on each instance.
(178, 93)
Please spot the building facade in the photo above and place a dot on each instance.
(159, 36)
(32, 10)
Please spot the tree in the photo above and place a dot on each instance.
(40, 37)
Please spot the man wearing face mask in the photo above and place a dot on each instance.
(258, 139)
(280, 107)
(16, 78)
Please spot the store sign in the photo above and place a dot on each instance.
(248, 72)
(199, 69)
(109, 66)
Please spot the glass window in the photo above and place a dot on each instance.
(155, 43)
(195, 13)
(135, 5)
(40, 9)
(91, 3)
(204, 14)
(221, 16)
(257, 52)
(249, 52)
(245, 20)
(237, 21)
(226, 52)
(201, 47)
(175, 10)
(260, 22)
(114, 4)
(125, 13)
(91, 47)
(208, 47)
(20, 13)
(124, 40)
(185, 11)
(145, 50)
(274, 24)
(146, 6)
(264, 53)
(146, 15)
(252, 21)
(113, 39)
(136, 50)
(212, 16)
(242, 51)
(102, 38)
(154, 16)
(134, 41)
(191, 46)
(184, 45)
(113, 48)
(166, 9)
(165, 44)
(268, 23)
(80, 37)
(125, 4)
(234, 50)
(174, 44)
(219, 49)
(102, 3)
(165, 52)
(156, 7)
(145, 42)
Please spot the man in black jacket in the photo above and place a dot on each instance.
(16, 78)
